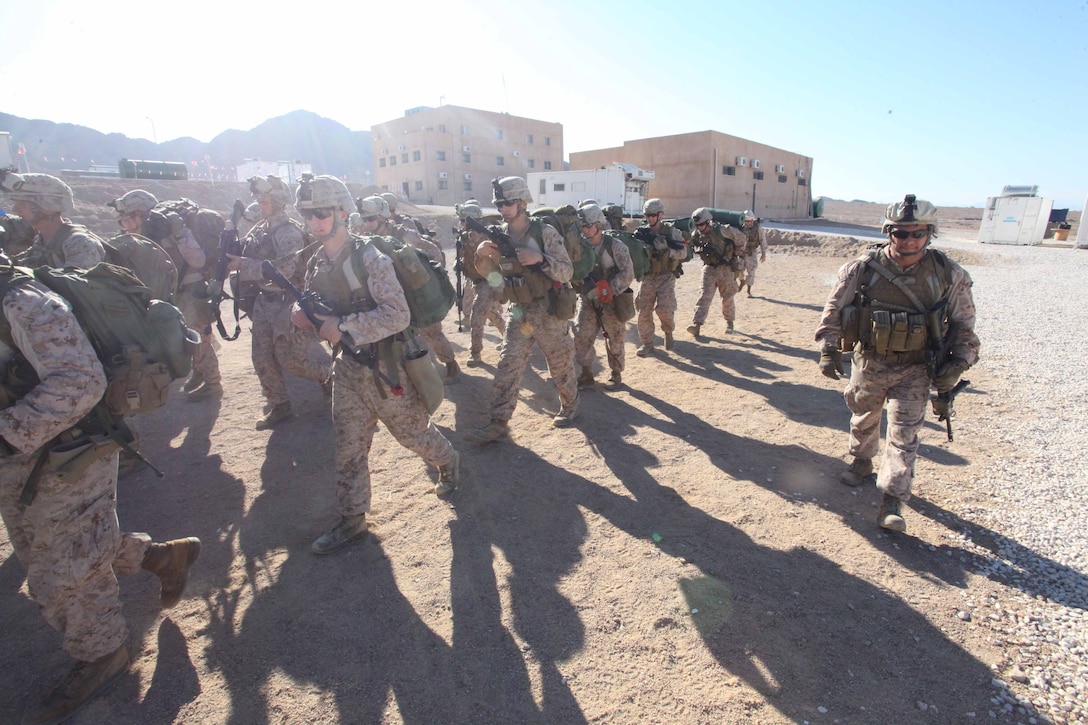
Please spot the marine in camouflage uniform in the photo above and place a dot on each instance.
(755, 251)
(278, 346)
(615, 268)
(376, 218)
(885, 324)
(484, 306)
(523, 276)
(658, 289)
(720, 248)
(63, 525)
(137, 215)
(44, 202)
(370, 313)
(16, 235)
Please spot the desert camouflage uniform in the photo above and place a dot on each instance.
(189, 258)
(718, 276)
(755, 246)
(903, 387)
(72, 246)
(360, 399)
(432, 334)
(658, 289)
(618, 269)
(531, 322)
(484, 306)
(68, 538)
(278, 346)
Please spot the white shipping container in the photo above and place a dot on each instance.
(621, 184)
(1014, 220)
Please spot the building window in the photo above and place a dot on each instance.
(440, 155)
(381, 163)
(547, 140)
(443, 184)
(530, 164)
(547, 165)
(416, 156)
(559, 187)
(729, 170)
(500, 161)
(464, 130)
(757, 175)
(781, 178)
(528, 138)
(802, 182)
(498, 133)
(392, 160)
(543, 188)
(441, 128)
(467, 186)
(419, 186)
(404, 158)
(466, 158)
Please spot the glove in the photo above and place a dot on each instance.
(592, 294)
(831, 362)
(941, 408)
(949, 374)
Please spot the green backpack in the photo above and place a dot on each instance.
(142, 342)
(565, 221)
(147, 260)
(640, 255)
(427, 287)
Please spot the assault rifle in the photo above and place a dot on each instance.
(459, 237)
(648, 236)
(505, 245)
(228, 244)
(312, 306)
(940, 338)
(947, 398)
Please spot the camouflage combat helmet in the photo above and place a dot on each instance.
(48, 192)
(390, 199)
(511, 188)
(135, 201)
(468, 210)
(272, 187)
(653, 206)
(592, 214)
(323, 192)
(373, 206)
(355, 222)
(701, 215)
(253, 213)
(911, 210)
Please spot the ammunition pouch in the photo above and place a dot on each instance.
(70, 460)
(899, 337)
(851, 332)
(562, 301)
(623, 305)
(425, 378)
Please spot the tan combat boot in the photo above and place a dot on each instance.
(858, 471)
(171, 562)
(615, 381)
(85, 682)
(668, 341)
(728, 327)
(890, 515)
(493, 431)
(346, 531)
(206, 391)
(275, 414)
(695, 329)
(194, 382)
(453, 370)
(646, 350)
(474, 359)
(565, 416)
(449, 477)
(585, 380)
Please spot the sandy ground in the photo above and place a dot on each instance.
(683, 554)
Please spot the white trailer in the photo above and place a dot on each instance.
(288, 171)
(621, 184)
(6, 159)
(1018, 216)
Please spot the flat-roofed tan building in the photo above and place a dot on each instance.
(713, 169)
(448, 154)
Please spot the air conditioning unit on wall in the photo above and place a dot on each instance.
(800, 173)
(466, 149)
(742, 161)
(517, 153)
(400, 148)
(781, 169)
(755, 163)
(468, 177)
(443, 175)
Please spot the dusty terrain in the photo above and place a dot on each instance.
(683, 554)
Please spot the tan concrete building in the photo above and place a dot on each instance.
(448, 154)
(713, 169)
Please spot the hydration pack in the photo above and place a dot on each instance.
(427, 287)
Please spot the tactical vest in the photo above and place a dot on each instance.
(260, 243)
(54, 248)
(660, 261)
(468, 258)
(752, 242)
(523, 285)
(17, 375)
(887, 323)
(723, 248)
(337, 284)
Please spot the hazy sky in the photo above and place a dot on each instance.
(950, 100)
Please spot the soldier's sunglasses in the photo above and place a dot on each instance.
(323, 213)
(916, 234)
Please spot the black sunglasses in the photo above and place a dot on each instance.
(916, 234)
(324, 213)
(371, 218)
(505, 202)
